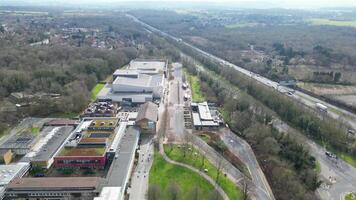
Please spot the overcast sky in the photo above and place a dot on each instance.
(248, 3)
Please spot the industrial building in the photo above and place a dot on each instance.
(139, 82)
(205, 116)
(53, 188)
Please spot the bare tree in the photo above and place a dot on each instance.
(245, 188)
(173, 191)
(219, 168)
(154, 192)
(195, 193)
(214, 195)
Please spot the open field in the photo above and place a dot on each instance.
(329, 22)
(195, 159)
(163, 173)
(240, 25)
(96, 90)
(328, 89)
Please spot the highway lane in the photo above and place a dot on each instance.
(336, 112)
(338, 176)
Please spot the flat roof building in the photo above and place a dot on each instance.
(204, 117)
(10, 172)
(140, 82)
(44, 155)
(53, 188)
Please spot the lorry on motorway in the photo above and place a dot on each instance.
(321, 107)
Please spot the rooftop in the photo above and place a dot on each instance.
(142, 80)
(52, 145)
(148, 66)
(97, 123)
(93, 141)
(54, 182)
(9, 172)
(82, 151)
(148, 111)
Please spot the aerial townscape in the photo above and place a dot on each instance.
(177, 100)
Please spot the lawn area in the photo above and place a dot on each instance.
(349, 159)
(195, 159)
(350, 197)
(35, 130)
(317, 167)
(163, 173)
(197, 95)
(321, 21)
(96, 90)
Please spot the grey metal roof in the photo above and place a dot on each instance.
(142, 80)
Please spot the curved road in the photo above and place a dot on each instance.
(206, 177)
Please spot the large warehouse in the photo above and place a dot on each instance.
(139, 82)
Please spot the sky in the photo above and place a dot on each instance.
(243, 3)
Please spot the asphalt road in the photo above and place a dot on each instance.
(336, 112)
(242, 149)
(139, 184)
(338, 176)
(176, 105)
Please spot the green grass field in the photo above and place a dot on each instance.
(350, 197)
(197, 95)
(163, 173)
(321, 21)
(96, 90)
(194, 158)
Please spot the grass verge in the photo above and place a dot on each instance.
(350, 196)
(197, 95)
(96, 90)
(163, 173)
(195, 159)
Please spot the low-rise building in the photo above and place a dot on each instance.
(10, 172)
(88, 146)
(205, 118)
(147, 117)
(53, 188)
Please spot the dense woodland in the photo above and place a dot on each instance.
(287, 164)
(66, 67)
(275, 40)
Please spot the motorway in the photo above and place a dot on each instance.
(338, 176)
(309, 101)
